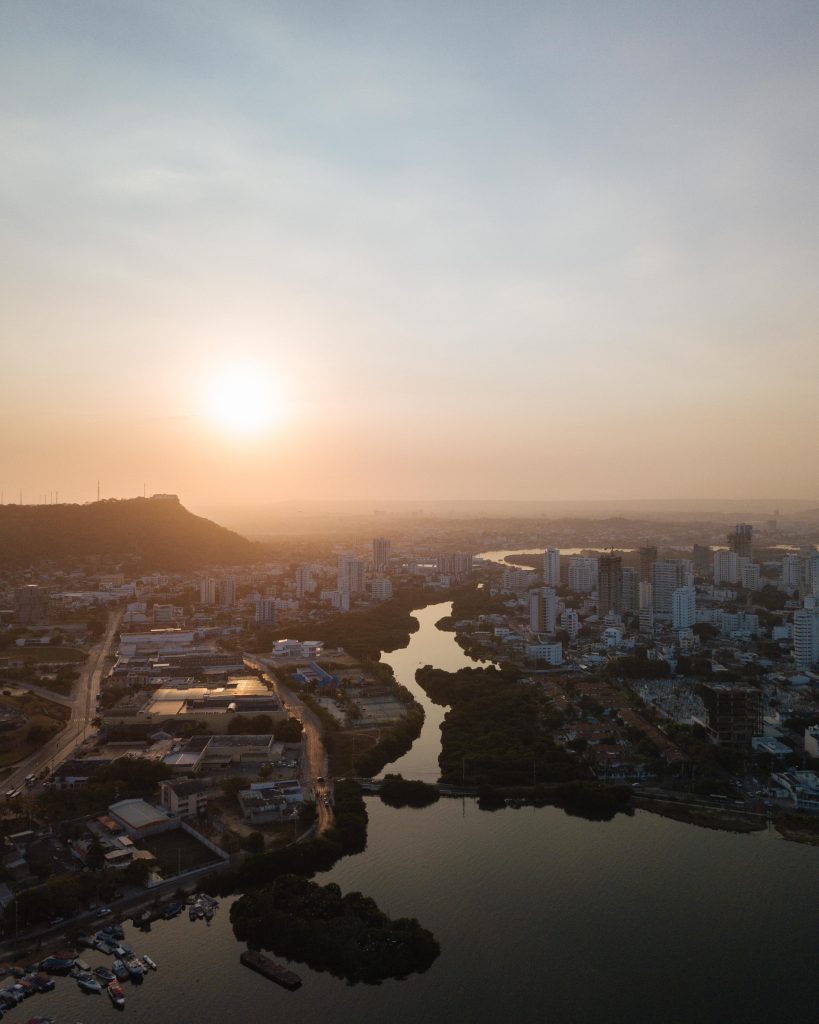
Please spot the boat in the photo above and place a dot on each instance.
(270, 969)
(200, 911)
(149, 962)
(209, 913)
(88, 983)
(82, 964)
(105, 946)
(192, 915)
(42, 982)
(116, 994)
(105, 975)
(120, 970)
(172, 910)
(135, 969)
(56, 964)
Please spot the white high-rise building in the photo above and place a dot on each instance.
(750, 575)
(207, 590)
(517, 579)
(570, 621)
(806, 634)
(462, 563)
(683, 608)
(350, 574)
(542, 610)
(381, 554)
(582, 574)
(726, 567)
(791, 572)
(381, 590)
(551, 567)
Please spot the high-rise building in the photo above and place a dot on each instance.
(582, 574)
(542, 610)
(791, 572)
(733, 714)
(443, 563)
(609, 585)
(750, 575)
(740, 540)
(462, 563)
(648, 556)
(806, 634)
(683, 608)
(702, 556)
(266, 611)
(381, 554)
(570, 621)
(381, 589)
(667, 576)
(229, 591)
(631, 589)
(350, 574)
(551, 567)
(32, 604)
(726, 568)
(303, 580)
(207, 590)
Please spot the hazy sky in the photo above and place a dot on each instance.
(446, 250)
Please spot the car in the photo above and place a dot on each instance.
(104, 912)
(56, 920)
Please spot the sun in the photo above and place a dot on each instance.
(243, 401)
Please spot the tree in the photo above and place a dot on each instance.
(95, 858)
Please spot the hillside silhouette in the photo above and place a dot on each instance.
(156, 533)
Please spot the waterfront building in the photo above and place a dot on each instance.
(551, 567)
(381, 589)
(733, 714)
(381, 554)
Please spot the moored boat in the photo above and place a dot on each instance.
(135, 969)
(105, 975)
(149, 963)
(88, 983)
(116, 994)
(120, 970)
(270, 969)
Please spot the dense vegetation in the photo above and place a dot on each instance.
(153, 533)
(348, 755)
(396, 791)
(346, 935)
(286, 730)
(123, 779)
(585, 799)
(496, 731)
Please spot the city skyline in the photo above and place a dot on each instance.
(268, 252)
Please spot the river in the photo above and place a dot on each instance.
(541, 918)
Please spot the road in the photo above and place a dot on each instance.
(314, 762)
(83, 704)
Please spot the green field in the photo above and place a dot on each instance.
(176, 851)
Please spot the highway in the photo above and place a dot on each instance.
(83, 704)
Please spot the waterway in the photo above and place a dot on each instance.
(541, 918)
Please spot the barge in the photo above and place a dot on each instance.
(270, 969)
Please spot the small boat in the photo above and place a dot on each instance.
(149, 963)
(105, 946)
(82, 964)
(172, 910)
(86, 941)
(56, 965)
(192, 913)
(209, 914)
(116, 994)
(88, 983)
(117, 932)
(105, 975)
(200, 911)
(120, 970)
(42, 982)
(135, 969)
(127, 948)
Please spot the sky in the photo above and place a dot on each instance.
(263, 251)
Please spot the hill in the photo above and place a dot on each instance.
(149, 533)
